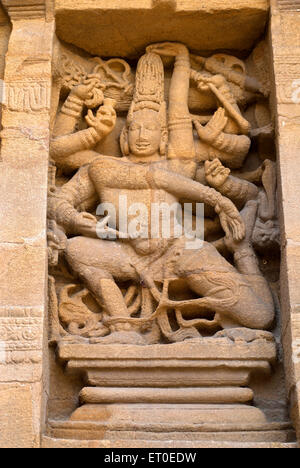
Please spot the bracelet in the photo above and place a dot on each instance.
(73, 107)
(246, 253)
(150, 179)
(75, 100)
(89, 137)
(183, 61)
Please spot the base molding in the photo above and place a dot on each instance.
(163, 422)
(182, 395)
(50, 442)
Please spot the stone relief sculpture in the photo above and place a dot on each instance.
(185, 142)
(172, 320)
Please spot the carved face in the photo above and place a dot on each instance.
(144, 134)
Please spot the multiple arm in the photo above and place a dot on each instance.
(238, 190)
(115, 173)
(181, 141)
(66, 140)
(66, 203)
(133, 176)
(230, 149)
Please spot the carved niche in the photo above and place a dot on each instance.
(181, 128)
(136, 147)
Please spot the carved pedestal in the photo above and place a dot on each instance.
(195, 391)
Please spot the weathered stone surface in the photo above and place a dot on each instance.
(292, 254)
(103, 340)
(28, 286)
(18, 427)
(285, 40)
(106, 444)
(23, 201)
(95, 395)
(196, 23)
(117, 308)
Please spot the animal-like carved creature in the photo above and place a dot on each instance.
(159, 165)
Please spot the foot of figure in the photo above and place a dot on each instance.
(121, 337)
(244, 335)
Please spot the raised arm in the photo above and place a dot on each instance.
(181, 141)
(65, 140)
(230, 149)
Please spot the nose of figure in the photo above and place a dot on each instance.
(142, 134)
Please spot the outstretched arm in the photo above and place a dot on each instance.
(238, 190)
(99, 127)
(185, 188)
(109, 172)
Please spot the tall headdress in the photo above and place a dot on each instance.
(149, 85)
(149, 92)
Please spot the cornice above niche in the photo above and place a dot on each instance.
(117, 28)
(25, 9)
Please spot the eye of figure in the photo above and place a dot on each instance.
(135, 127)
(151, 126)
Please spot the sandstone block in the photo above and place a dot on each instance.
(113, 24)
(16, 417)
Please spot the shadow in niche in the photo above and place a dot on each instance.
(252, 173)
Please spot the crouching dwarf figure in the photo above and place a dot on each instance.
(238, 296)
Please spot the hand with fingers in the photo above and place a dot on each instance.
(104, 231)
(84, 91)
(104, 122)
(231, 220)
(203, 82)
(85, 224)
(214, 128)
(248, 216)
(168, 49)
(97, 91)
(216, 174)
(89, 92)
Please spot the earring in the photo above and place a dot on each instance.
(163, 145)
(124, 142)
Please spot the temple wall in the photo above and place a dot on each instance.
(33, 387)
(285, 44)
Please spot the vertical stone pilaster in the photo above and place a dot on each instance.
(5, 30)
(285, 43)
(23, 205)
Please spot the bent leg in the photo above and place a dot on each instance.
(237, 299)
(99, 263)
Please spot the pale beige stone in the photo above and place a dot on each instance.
(192, 22)
(16, 417)
(106, 444)
(292, 254)
(285, 42)
(23, 201)
(160, 162)
(162, 395)
(28, 286)
(66, 108)
(160, 151)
